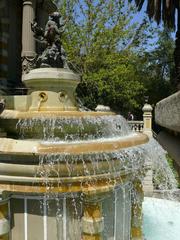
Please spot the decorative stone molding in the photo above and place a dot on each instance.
(58, 87)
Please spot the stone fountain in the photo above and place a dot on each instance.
(67, 174)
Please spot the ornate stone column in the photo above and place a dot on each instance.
(28, 42)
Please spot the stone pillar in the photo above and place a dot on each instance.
(92, 221)
(147, 129)
(147, 119)
(4, 222)
(136, 217)
(28, 42)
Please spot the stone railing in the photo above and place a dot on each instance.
(136, 126)
(144, 126)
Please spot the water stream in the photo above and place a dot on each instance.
(68, 129)
(68, 208)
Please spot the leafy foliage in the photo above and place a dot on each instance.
(159, 70)
(110, 51)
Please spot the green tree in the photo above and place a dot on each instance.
(103, 44)
(157, 68)
(169, 12)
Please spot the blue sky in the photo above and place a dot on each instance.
(139, 17)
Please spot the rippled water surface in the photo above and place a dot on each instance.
(161, 219)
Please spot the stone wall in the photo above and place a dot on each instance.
(167, 115)
(11, 43)
(167, 112)
(171, 143)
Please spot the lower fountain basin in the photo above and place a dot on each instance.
(30, 147)
(161, 219)
(102, 163)
(84, 166)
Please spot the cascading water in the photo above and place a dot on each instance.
(69, 174)
(163, 176)
(81, 163)
(84, 163)
(82, 170)
(69, 129)
(107, 128)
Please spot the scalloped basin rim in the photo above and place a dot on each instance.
(23, 147)
(13, 114)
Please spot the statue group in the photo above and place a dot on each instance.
(53, 54)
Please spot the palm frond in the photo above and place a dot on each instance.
(139, 4)
(150, 8)
(164, 10)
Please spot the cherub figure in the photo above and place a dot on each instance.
(54, 54)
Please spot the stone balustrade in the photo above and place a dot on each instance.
(136, 126)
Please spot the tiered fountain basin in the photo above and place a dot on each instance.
(90, 159)
(20, 157)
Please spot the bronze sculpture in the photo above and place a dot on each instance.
(54, 54)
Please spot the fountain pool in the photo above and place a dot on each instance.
(161, 219)
(67, 173)
(71, 174)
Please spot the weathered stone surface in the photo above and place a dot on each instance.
(49, 78)
(171, 144)
(167, 112)
(52, 89)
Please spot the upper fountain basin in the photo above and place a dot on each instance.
(49, 89)
(63, 126)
